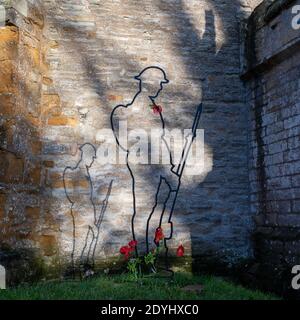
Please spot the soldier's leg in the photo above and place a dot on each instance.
(145, 199)
(153, 217)
(161, 214)
(100, 211)
(92, 250)
(90, 237)
(80, 231)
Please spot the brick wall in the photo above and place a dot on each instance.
(274, 92)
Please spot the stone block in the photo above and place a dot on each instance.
(33, 175)
(8, 43)
(296, 180)
(2, 206)
(33, 56)
(47, 81)
(292, 155)
(259, 219)
(271, 219)
(292, 122)
(63, 121)
(296, 206)
(31, 223)
(48, 163)
(36, 146)
(51, 104)
(48, 245)
(32, 213)
(11, 168)
(289, 220)
(53, 44)
(7, 104)
(7, 84)
(54, 148)
(113, 97)
(34, 122)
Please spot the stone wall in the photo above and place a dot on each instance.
(73, 62)
(272, 77)
(99, 48)
(64, 66)
(24, 224)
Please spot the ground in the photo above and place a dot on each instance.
(122, 287)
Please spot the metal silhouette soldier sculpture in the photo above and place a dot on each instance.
(137, 112)
(143, 112)
(161, 177)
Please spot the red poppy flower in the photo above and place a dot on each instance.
(159, 235)
(157, 109)
(132, 243)
(180, 251)
(126, 250)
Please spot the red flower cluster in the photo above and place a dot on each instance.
(132, 243)
(126, 250)
(180, 251)
(159, 235)
(156, 109)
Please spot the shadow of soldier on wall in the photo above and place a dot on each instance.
(86, 218)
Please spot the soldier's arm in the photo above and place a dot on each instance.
(172, 179)
(67, 176)
(117, 115)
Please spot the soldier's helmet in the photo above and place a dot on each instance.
(151, 74)
(88, 154)
(152, 78)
